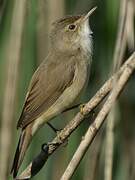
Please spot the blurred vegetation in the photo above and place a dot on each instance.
(34, 45)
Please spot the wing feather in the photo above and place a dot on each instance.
(46, 86)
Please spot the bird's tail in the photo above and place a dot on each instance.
(24, 141)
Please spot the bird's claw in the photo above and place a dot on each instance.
(82, 109)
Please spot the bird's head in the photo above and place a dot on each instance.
(72, 33)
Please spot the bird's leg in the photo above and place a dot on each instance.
(57, 130)
(81, 106)
(73, 107)
(53, 128)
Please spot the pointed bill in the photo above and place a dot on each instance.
(85, 17)
(89, 13)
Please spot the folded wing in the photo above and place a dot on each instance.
(46, 87)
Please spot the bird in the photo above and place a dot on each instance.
(58, 82)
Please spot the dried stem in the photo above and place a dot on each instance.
(48, 11)
(130, 32)
(121, 41)
(118, 52)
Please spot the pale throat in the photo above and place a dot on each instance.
(86, 38)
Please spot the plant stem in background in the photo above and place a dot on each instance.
(13, 56)
(117, 61)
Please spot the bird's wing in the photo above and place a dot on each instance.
(46, 87)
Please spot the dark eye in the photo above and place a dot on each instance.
(72, 26)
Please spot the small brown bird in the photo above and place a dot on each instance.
(58, 81)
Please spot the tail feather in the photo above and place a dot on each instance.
(23, 144)
(15, 162)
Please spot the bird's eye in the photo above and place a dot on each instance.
(72, 27)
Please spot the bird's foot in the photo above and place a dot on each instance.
(86, 115)
(81, 107)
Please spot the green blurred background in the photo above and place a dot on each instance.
(24, 37)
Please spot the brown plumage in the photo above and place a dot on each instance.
(41, 95)
(42, 92)
(58, 82)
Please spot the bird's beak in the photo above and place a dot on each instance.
(89, 14)
(85, 17)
